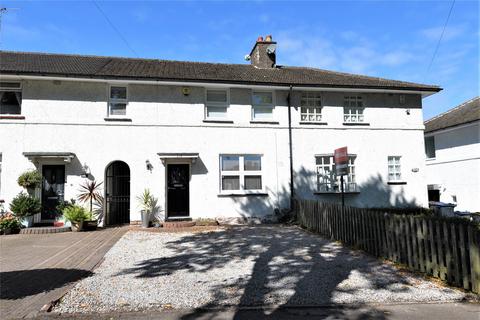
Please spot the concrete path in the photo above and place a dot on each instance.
(38, 269)
(444, 311)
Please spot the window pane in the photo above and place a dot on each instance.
(252, 163)
(230, 163)
(260, 98)
(230, 182)
(10, 85)
(253, 182)
(10, 102)
(118, 109)
(217, 96)
(216, 112)
(118, 92)
(262, 113)
(430, 147)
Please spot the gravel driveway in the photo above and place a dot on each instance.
(248, 266)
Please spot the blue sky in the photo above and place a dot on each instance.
(379, 38)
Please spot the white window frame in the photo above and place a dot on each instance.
(353, 111)
(263, 106)
(308, 110)
(113, 100)
(216, 104)
(333, 181)
(19, 89)
(242, 173)
(392, 168)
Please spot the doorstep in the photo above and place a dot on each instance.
(44, 230)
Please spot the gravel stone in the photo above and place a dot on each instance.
(248, 266)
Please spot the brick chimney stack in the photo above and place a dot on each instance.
(263, 54)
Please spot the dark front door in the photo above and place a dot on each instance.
(117, 191)
(53, 187)
(178, 177)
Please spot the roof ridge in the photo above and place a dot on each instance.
(117, 57)
(453, 109)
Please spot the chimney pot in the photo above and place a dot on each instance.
(268, 38)
(260, 39)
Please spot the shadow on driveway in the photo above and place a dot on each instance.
(24, 283)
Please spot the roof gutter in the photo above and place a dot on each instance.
(424, 92)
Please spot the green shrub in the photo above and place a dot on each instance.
(30, 179)
(9, 221)
(64, 204)
(24, 205)
(76, 214)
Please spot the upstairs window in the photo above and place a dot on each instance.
(216, 104)
(430, 147)
(117, 104)
(328, 181)
(353, 109)
(241, 173)
(262, 105)
(310, 107)
(10, 98)
(394, 169)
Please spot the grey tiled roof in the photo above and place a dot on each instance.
(28, 63)
(468, 111)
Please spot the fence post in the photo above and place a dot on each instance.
(456, 260)
(421, 256)
(433, 251)
(448, 253)
(426, 238)
(441, 253)
(463, 256)
(473, 240)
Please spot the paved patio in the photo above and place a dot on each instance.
(37, 269)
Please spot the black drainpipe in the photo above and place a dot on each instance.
(292, 189)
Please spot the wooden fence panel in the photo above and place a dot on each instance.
(445, 249)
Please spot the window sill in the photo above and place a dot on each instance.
(313, 123)
(217, 121)
(244, 194)
(118, 119)
(264, 122)
(12, 117)
(356, 124)
(335, 192)
(396, 182)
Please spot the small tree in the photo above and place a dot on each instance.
(90, 192)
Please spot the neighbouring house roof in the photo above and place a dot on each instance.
(80, 66)
(468, 111)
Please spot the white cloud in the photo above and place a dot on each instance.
(356, 54)
(451, 32)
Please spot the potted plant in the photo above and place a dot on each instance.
(24, 207)
(9, 224)
(90, 193)
(30, 180)
(76, 215)
(148, 203)
(60, 220)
